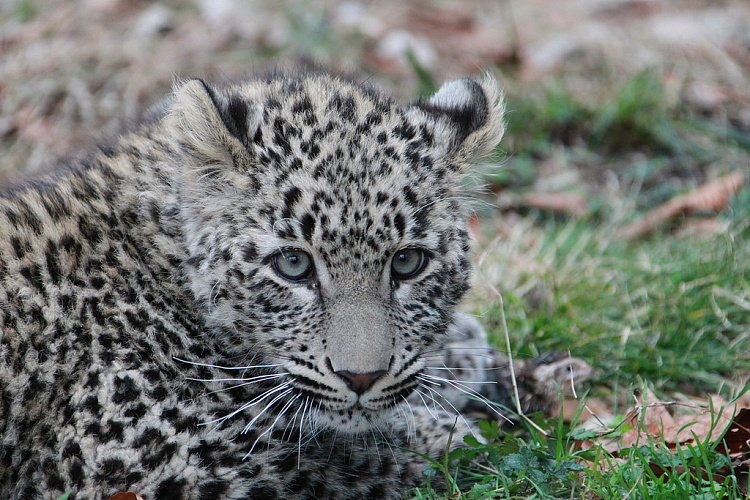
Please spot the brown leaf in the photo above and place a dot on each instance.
(442, 21)
(701, 227)
(562, 203)
(595, 408)
(705, 425)
(741, 470)
(656, 419)
(125, 496)
(711, 197)
(737, 439)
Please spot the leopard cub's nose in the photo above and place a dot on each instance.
(359, 382)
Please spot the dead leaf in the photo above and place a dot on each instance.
(595, 408)
(712, 197)
(441, 21)
(737, 439)
(562, 203)
(736, 444)
(701, 228)
(654, 416)
(654, 420)
(125, 496)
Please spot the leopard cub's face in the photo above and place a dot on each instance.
(326, 228)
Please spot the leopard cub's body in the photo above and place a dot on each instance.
(238, 297)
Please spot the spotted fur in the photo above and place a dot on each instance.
(151, 344)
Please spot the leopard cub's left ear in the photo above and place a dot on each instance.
(469, 116)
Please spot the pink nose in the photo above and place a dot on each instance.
(360, 382)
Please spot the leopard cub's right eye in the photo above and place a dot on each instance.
(408, 263)
(293, 265)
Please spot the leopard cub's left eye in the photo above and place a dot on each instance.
(293, 265)
(408, 263)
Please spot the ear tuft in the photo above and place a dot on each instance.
(474, 112)
(220, 126)
(241, 118)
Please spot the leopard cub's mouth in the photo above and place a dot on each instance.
(349, 407)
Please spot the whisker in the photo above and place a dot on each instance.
(250, 367)
(451, 370)
(427, 407)
(390, 448)
(375, 441)
(273, 424)
(410, 429)
(251, 403)
(291, 423)
(435, 402)
(301, 430)
(462, 387)
(258, 378)
(458, 413)
(452, 347)
(432, 398)
(250, 424)
(236, 386)
(449, 381)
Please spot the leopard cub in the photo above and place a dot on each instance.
(241, 297)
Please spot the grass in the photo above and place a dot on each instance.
(668, 309)
(636, 117)
(671, 310)
(525, 463)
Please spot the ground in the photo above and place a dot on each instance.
(618, 110)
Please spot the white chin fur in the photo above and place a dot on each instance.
(353, 421)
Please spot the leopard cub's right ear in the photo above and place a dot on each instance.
(468, 116)
(220, 126)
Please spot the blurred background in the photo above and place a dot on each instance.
(614, 219)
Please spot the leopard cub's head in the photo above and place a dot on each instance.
(326, 229)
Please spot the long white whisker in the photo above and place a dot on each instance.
(462, 369)
(443, 350)
(390, 448)
(258, 378)
(265, 409)
(445, 198)
(301, 430)
(449, 381)
(435, 402)
(431, 382)
(236, 386)
(250, 367)
(409, 429)
(275, 421)
(375, 443)
(291, 423)
(211, 293)
(432, 393)
(458, 413)
(251, 403)
(427, 407)
(463, 387)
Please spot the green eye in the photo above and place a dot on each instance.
(408, 263)
(293, 265)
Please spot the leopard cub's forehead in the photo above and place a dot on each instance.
(346, 164)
